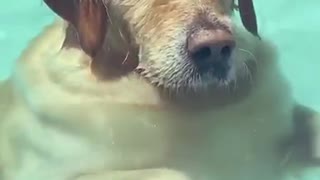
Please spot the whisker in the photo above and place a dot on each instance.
(235, 84)
(253, 57)
(126, 58)
(245, 65)
(107, 11)
(121, 35)
(229, 86)
(248, 72)
(250, 53)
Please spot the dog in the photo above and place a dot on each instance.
(153, 90)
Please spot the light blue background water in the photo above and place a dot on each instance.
(294, 25)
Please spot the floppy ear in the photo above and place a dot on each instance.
(248, 16)
(89, 17)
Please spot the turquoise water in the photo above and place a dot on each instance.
(293, 25)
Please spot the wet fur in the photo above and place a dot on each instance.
(66, 116)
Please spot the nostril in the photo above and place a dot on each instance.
(208, 53)
(208, 46)
(226, 51)
(201, 53)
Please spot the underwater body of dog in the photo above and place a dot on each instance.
(152, 90)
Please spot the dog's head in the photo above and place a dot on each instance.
(182, 45)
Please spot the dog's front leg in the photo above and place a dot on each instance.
(304, 162)
(307, 133)
(145, 174)
(315, 142)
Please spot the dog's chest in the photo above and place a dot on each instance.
(243, 144)
(250, 148)
(228, 144)
(54, 151)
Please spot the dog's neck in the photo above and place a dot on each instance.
(117, 57)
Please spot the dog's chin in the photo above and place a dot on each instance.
(191, 89)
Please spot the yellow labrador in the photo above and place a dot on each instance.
(152, 90)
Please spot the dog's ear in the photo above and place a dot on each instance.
(248, 16)
(89, 17)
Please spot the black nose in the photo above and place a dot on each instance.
(211, 49)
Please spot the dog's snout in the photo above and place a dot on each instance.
(210, 46)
